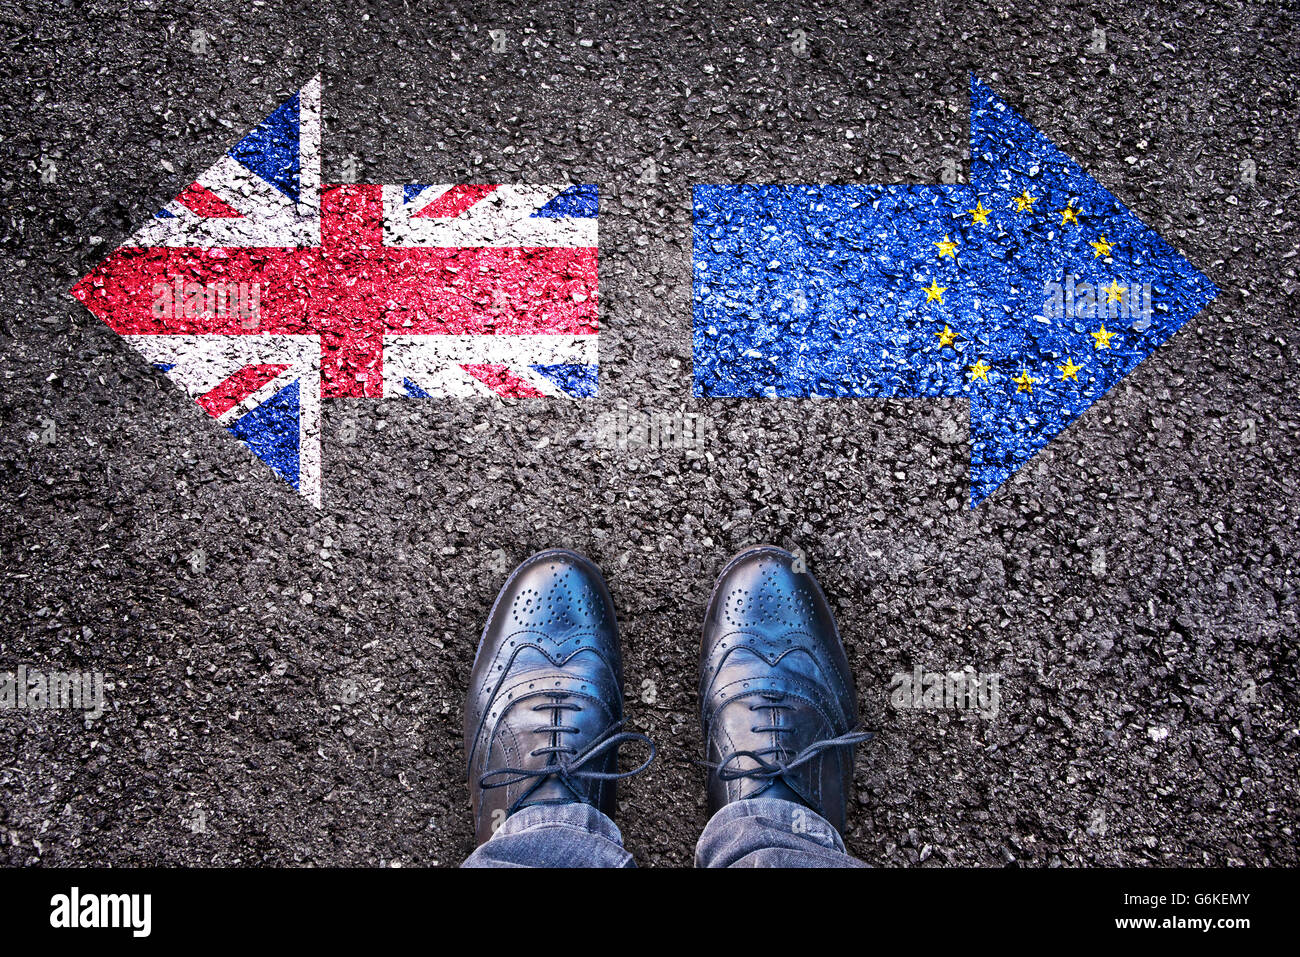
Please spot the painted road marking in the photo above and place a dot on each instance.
(260, 291)
(1000, 291)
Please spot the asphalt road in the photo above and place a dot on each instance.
(285, 684)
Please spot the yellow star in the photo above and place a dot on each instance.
(1069, 370)
(1103, 338)
(1069, 215)
(1100, 249)
(935, 291)
(947, 248)
(979, 214)
(1025, 202)
(1025, 382)
(947, 337)
(1114, 292)
(979, 371)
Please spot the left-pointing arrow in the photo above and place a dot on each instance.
(1031, 291)
(260, 291)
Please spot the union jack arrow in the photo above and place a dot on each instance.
(260, 291)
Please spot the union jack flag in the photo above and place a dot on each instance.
(259, 291)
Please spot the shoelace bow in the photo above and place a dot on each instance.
(766, 770)
(567, 762)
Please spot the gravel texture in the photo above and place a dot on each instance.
(285, 684)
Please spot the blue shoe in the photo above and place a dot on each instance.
(776, 694)
(544, 714)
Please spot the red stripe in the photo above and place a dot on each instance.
(238, 387)
(199, 199)
(455, 201)
(346, 293)
(510, 291)
(486, 290)
(502, 381)
(351, 290)
(352, 217)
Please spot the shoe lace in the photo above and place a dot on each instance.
(564, 761)
(731, 769)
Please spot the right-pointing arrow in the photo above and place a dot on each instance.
(1032, 291)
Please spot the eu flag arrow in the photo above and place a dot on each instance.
(1030, 291)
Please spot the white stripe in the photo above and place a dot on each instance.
(502, 218)
(309, 148)
(434, 362)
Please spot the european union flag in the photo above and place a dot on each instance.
(1030, 291)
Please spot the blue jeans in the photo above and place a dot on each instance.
(761, 832)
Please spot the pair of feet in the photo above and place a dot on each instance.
(544, 716)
